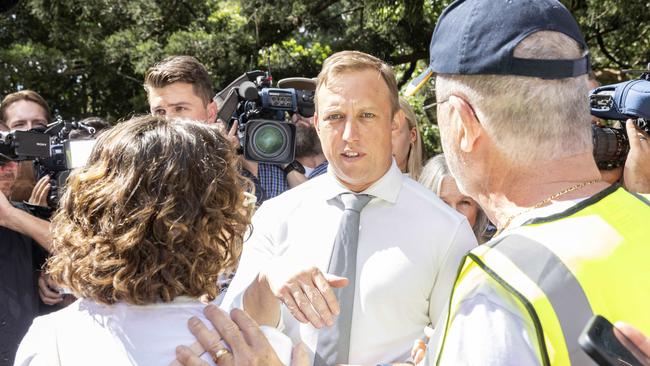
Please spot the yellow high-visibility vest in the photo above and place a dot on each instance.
(592, 259)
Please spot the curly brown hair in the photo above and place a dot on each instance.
(158, 212)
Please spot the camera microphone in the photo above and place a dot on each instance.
(248, 91)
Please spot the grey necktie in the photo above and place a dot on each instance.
(334, 342)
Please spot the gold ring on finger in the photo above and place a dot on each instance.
(218, 354)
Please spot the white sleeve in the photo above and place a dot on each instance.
(257, 253)
(462, 242)
(488, 330)
(38, 347)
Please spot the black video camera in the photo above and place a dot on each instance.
(53, 153)
(261, 111)
(622, 101)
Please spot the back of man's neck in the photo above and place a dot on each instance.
(520, 190)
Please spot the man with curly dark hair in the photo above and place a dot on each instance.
(141, 236)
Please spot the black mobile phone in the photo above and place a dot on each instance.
(608, 346)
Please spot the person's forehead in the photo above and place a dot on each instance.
(24, 110)
(175, 93)
(354, 86)
(449, 189)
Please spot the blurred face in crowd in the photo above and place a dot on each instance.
(402, 140)
(450, 193)
(307, 142)
(179, 100)
(452, 196)
(25, 115)
(354, 123)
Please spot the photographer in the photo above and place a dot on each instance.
(309, 152)
(20, 236)
(634, 174)
(310, 161)
(23, 111)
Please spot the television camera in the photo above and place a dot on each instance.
(261, 112)
(53, 153)
(622, 101)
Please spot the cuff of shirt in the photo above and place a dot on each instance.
(238, 302)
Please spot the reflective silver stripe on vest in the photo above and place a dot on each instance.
(560, 286)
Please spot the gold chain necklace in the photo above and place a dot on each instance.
(546, 201)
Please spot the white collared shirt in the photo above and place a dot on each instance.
(410, 246)
(89, 333)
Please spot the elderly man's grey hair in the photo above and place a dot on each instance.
(530, 118)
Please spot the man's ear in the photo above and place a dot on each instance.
(212, 111)
(468, 126)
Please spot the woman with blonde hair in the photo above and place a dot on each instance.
(436, 176)
(407, 142)
(142, 233)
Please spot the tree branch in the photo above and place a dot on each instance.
(603, 49)
(346, 12)
(322, 6)
(413, 57)
(190, 9)
(407, 75)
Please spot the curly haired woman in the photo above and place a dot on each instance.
(141, 236)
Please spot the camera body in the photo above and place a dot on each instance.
(52, 152)
(261, 112)
(23, 145)
(622, 101)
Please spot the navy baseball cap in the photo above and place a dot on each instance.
(479, 37)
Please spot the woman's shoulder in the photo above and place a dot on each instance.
(38, 347)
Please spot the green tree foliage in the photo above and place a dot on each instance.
(88, 57)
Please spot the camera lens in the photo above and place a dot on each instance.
(610, 147)
(269, 140)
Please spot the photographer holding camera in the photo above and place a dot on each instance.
(622, 151)
(273, 128)
(25, 110)
(309, 153)
(20, 235)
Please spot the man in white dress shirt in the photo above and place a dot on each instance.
(410, 243)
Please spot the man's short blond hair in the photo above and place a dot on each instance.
(346, 61)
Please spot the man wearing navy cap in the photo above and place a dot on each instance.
(511, 87)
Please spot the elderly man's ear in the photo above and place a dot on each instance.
(468, 127)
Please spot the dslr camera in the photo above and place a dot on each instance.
(264, 132)
(622, 101)
(53, 153)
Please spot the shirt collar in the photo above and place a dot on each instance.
(386, 188)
